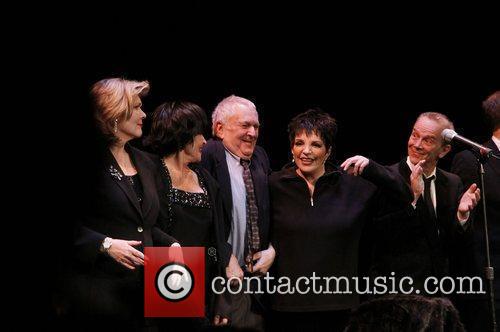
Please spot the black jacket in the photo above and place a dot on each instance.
(409, 244)
(214, 161)
(466, 166)
(101, 285)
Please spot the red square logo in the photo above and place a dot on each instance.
(174, 282)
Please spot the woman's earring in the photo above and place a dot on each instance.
(115, 128)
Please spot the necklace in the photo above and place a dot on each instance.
(177, 176)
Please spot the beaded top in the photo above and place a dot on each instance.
(186, 198)
(191, 199)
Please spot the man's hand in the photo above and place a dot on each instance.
(233, 270)
(468, 202)
(417, 181)
(125, 254)
(265, 259)
(355, 165)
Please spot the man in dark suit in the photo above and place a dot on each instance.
(420, 241)
(432, 235)
(466, 165)
(241, 168)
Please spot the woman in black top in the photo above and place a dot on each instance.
(318, 214)
(121, 218)
(189, 196)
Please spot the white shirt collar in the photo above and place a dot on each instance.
(496, 141)
(413, 166)
(238, 159)
(232, 155)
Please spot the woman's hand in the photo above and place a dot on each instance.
(222, 310)
(124, 253)
(220, 321)
(175, 255)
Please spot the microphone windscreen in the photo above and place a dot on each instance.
(448, 135)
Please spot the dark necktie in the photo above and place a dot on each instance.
(428, 199)
(427, 195)
(252, 232)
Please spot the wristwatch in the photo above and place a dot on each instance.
(106, 244)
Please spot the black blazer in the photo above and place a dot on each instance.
(214, 161)
(408, 243)
(465, 165)
(102, 286)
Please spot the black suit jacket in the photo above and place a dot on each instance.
(466, 166)
(214, 161)
(409, 244)
(101, 285)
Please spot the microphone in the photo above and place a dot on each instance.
(450, 135)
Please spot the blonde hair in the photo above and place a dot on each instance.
(112, 101)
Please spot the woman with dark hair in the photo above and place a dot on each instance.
(317, 216)
(122, 216)
(189, 196)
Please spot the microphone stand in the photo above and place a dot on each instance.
(482, 158)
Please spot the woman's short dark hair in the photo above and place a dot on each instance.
(174, 126)
(314, 121)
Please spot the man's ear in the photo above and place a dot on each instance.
(446, 148)
(219, 130)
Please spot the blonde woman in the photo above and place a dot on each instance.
(122, 216)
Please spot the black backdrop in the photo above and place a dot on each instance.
(373, 72)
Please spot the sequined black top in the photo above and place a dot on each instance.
(190, 214)
(191, 199)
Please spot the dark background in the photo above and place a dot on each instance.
(373, 73)
(374, 68)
